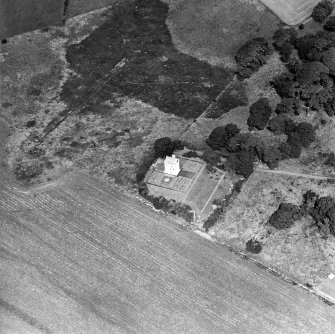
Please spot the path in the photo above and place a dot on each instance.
(283, 172)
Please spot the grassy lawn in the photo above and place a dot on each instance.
(203, 189)
(213, 30)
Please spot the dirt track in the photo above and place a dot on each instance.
(80, 257)
(288, 173)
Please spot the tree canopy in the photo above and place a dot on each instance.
(251, 56)
(260, 113)
(322, 10)
(285, 216)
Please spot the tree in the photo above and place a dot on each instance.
(270, 155)
(285, 52)
(220, 136)
(290, 150)
(311, 73)
(309, 201)
(280, 123)
(251, 56)
(285, 216)
(311, 84)
(310, 47)
(260, 113)
(290, 106)
(253, 246)
(283, 36)
(330, 161)
(243, 141)
(304, 133)
(323, 214)
(165, 146)
(242, 162)
(330, 24)
(284, 41)
(330, 107)
(285, 85)
(322, 10)
(328, 59)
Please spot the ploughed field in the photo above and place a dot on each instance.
(78, 256)
(291, 11)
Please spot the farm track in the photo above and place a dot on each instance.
(287, 173)
(81, 257)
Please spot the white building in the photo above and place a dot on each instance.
(172, 165)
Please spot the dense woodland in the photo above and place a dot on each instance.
(321, 209)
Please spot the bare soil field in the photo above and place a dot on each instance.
(81, 257)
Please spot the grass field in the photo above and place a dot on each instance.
(61, 121)
(298, 252)
(213, 30)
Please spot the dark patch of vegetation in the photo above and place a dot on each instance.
(330, 161)
(311, 46)
(308, 203)
(302, 134)
(323, 214)
(284, 41)
(28, 170)
(290, 106)
(260, 113)
(170, 206)
(190, 154)
(328, 60)
(220, 136)
(253, 246)
(251, 56)
(148, 159)
(285, 216)
(321, 209)
(234, 96)
(135, 34)
(280, 124)
(309, 81)
(244, 142)
(290, 150)
(165, 146)
(6, 104)
(270, 155)
(330, 24)
(212, 219)
(322, 10)
(242, 162)
(31, 123)
(298, 136)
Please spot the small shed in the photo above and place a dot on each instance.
(172, 165)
